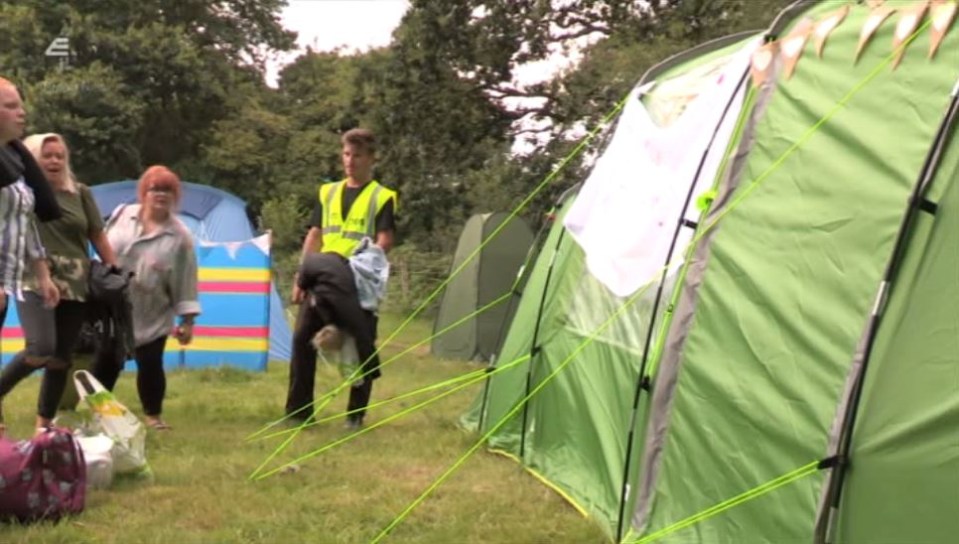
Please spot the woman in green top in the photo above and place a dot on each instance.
(51, 333)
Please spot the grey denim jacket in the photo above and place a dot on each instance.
(164, 264)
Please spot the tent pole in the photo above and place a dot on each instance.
(516, 294)
(519, 284)
(484, 406)
(534, 349)
(269, 285)
(642, 381)
(826, 523)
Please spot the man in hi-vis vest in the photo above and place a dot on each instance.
(345, 212)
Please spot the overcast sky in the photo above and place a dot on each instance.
(359, 25)
(327, 24)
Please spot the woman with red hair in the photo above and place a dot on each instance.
(152, 243)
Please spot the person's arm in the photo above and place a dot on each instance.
(313, 242)
(49, 291)
(386, 226)
(96, 232)
(104, 249)
(37, 255)
(184, 290)
(184, 333)
(384, 239)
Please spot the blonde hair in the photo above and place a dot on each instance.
(35, 143)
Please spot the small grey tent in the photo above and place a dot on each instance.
(485, 278)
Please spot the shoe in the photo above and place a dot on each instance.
(304, 418)
(353, 423)
(158, 424)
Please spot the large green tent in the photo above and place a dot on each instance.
(782, 364)
(490, 265)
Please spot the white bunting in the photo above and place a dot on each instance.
(827, 25)
(879, 14)
(943, 12)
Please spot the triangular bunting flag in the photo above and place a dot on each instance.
(205, 249)
(792, 46)
(645, 89)
(908, 21)
(826, 26)
(761, 64)
(263, 241)
(232, 248)
(943, 12)
(879, 14)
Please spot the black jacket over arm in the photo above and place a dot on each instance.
(16, 161)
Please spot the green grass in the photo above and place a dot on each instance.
(201, 491)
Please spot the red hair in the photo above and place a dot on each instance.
(158, 176)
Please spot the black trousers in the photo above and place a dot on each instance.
(344, 311)
(151, 379)
(50, 334)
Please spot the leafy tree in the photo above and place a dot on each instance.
(173, 69)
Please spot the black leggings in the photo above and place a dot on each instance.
(151, 379)
(51, 335)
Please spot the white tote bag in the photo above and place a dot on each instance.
(113, 419)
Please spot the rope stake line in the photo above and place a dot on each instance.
(572, 154)
(503, 420)
(382, 422)
(705, 228)
(753, 185)
(529, 198)
(717, 509)
(481, 373)
(286, 443)
(340, 387)
(461, 378)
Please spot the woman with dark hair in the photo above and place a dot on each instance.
(152, 243)
(51, 333)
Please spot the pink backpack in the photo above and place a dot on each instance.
(42, 478)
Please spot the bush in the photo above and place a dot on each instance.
(414, 277)
(286, 218)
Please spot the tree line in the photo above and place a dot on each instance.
(181, 83)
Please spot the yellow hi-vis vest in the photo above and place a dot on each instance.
(342, 234)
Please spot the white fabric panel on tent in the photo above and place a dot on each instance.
(627, 211)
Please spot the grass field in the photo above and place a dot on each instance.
(201, 491)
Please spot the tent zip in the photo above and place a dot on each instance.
(642, 381)
(533, 348)
(826, 518)
(529, 263)
(519, 286)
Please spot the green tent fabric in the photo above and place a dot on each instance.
(485, 277)
(812, 326)
(581, 418)
(906, 442)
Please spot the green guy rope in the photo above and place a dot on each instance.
(803, 471)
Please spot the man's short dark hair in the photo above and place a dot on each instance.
(360, 137)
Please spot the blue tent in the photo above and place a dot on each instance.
(212, 215)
